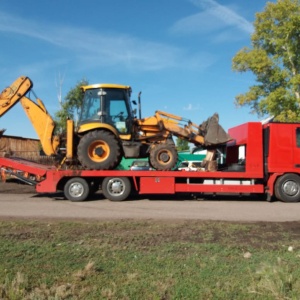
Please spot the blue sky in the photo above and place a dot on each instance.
(178, 53)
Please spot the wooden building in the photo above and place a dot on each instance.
(19, 146)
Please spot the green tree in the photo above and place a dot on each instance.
(275, 61)
(182, 145)
(70, 107)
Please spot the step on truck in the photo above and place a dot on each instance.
(259, 159)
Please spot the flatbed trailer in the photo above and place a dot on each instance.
(117, 184)
(270, 167)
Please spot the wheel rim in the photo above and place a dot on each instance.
(164, 156)
(116, 187)
(76, 189)
(98, 151)
(290, 188)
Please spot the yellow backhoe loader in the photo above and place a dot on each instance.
(108, 128)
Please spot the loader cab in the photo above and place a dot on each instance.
(107, 104)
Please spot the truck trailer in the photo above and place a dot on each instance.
(269, 166)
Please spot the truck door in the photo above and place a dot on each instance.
(284, 147)
(296, 156)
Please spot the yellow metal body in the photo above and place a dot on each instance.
(162, 124)
(105, 86)
(42, 123)
(83, 128)
(70, 139)
(12, 94)
(36, 112)
(156, 128)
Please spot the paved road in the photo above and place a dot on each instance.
(33, 206)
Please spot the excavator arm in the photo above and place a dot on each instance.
(35, 111)
(159, 126)
(12, 94)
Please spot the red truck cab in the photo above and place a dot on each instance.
(272, 155)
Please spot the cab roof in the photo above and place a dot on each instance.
(106, 85)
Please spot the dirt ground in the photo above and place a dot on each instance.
(33, 205)
(14, 186)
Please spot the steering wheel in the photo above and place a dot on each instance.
(120, 116)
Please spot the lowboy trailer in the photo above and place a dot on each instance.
(269, 165)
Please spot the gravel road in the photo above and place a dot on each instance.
(30, 205)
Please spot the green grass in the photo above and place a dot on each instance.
(148, 260)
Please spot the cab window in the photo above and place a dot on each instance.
(298, 137)
(117, 109)
(91, 105)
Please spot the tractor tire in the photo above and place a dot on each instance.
(163, 157)
(99, 150)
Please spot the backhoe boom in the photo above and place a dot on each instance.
(36, 112)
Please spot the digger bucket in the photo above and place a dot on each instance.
(212, 132)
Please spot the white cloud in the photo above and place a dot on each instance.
(191, 107)
(99, 48)
(225, 14)
(213, 17)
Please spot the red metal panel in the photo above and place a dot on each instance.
(249, 135)
(254, 149)
(214, 188)
(271, 182)
(157, 185)
(26, 166)
(239, 133)
(49, 185)
(283, 154)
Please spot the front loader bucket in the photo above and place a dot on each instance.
(213, 133)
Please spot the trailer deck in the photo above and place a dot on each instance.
(50, 179)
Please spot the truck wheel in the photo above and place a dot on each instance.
(99, 150)
(287, 188)
(76, 189)
(116, 188)
(163, 157)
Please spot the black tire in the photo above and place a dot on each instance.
(116, 188)
(76, 189)
(99, 150)
(287, 188)
(163, 157)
